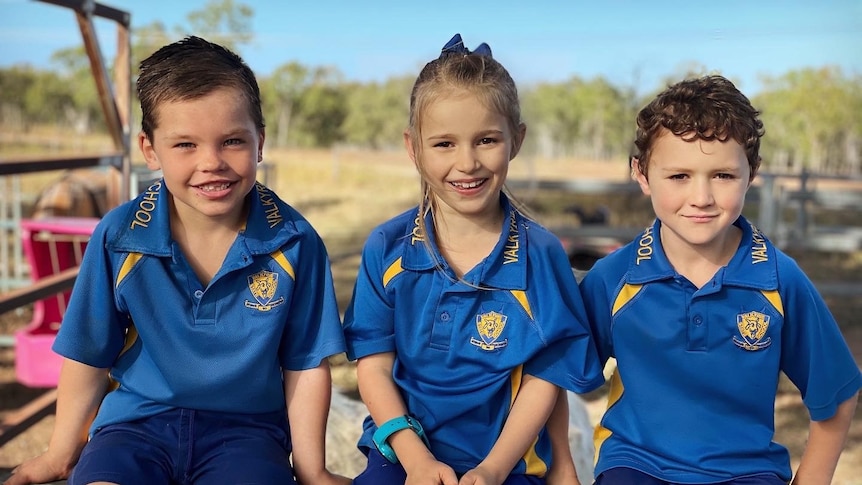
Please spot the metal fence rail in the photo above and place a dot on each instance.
(115, 101)
(787, 207)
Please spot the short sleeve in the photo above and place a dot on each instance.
(93, 328)
(598, 309)
(369, 326)
(569, 359)
(313, 330)
(814, 355)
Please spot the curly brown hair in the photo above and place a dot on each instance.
(707, 108)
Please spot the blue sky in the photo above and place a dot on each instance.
(629, 43)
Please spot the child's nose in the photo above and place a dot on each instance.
(702, 194)
(211, 160)
(467, 160)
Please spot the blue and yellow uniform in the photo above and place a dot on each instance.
(170, 342)
(462, 346)
(691, 400)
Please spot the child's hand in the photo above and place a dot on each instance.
(481, 476)
(431, 472)
(41, 469)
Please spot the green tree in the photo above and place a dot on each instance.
(603, 111)
(322, 113)
(812, 121)
(74, 68)
(51, 99)
(554, 117)
(224, 22)
(304, 106)
(378, 113)
(281, 93)
(15, 83)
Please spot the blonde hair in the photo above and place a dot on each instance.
(476, 74)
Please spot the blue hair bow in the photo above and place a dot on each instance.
(456, 46)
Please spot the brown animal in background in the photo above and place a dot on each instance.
(86, 192)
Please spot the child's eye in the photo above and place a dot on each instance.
(487, 141)
(184, 145)
(443, 144)
(234, 141)
(725, 176)
(678, 176)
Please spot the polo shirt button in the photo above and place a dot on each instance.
(444, 316)
(199, 293)
(698, 320)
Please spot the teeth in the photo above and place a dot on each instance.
(214, 187)
(468, 185)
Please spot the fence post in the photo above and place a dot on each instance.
(804, 197)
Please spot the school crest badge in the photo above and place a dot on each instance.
(262, 286)
(752, 328)
(490, 326)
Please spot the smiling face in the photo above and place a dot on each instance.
(697, 190)
(464, 154)
(208, 149)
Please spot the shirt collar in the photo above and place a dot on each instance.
(148, 228)
(504, 268)
(649, 262)
(753, 265)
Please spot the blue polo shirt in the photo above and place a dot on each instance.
(462, 347)
(697, 369)
(138, 309)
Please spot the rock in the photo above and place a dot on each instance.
(581, 438)
(342, 432)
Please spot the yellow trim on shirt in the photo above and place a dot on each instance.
(392, 271)
(625, 295)
(521, 296)
(614, 394)
(775, 299)
(130, 261)
(282, 261)
(534, 465)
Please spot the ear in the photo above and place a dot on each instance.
(518, 140)
(260, 139)
(408, 145)
(149, 152)
(752, 174)
(639, 176)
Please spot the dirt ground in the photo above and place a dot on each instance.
(344, 234)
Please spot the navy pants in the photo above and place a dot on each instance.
(185, 447)
(629, 476)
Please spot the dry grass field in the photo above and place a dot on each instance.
(345, 193)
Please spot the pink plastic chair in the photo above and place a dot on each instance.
(51, 245)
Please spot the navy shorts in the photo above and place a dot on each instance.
(184, 446)
(630, 476)
(381, 471)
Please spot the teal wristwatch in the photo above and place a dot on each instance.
(394, 425)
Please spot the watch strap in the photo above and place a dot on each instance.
(387, 429)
